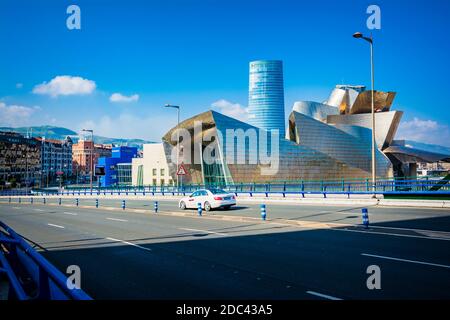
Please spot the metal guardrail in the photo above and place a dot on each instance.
(325, 186)
(305, 187)
(29, 274)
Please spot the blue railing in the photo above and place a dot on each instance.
(31, 276)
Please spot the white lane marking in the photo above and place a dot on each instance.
(70, 213)
(129, 243)
(204, 231)
(406, 260)
(390, 234)
(17, 208)
(55, 225)
(115, 219)
(38, 210)
(322, 295)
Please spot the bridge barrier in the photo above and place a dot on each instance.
(29, 274)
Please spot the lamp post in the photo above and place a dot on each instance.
(91, 156)
(359, 35)
(178, 138)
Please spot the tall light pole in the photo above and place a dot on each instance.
(91, 155)
(178, 138)
(359, 35)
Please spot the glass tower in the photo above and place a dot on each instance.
(266, 95)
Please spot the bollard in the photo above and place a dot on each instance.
(59, 201)
(365, 218)
(77, 201)
(9, 200)
(199, 209)
(96, 203)
(156, 206)
(20, 200)
(263, 212)
(31, 200)
(123, 204)
(44, 201)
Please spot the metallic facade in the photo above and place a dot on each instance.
(324, 141)
(266, 95)
(297, 161)
(386, 125)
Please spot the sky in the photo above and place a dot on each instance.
(131, 57)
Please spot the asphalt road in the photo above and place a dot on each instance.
(127, 255)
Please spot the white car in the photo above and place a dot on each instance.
(210, 199)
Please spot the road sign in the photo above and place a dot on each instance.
(181, 170)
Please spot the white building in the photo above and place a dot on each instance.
(152, 169)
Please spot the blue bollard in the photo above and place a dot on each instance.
(9, 200)
(156, 206)
(31, 200)
(20, 200)
(365, 218)
(77, 201)
(123, 204)
(199, 209)
(96, 203)
(59, 201)
(44, 201)
(263, 212)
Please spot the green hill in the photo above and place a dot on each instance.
(59, 133)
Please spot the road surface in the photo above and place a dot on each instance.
(129, 255)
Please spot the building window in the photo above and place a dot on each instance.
(162, 172)
(154, 172)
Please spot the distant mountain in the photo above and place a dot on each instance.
(60, 133)
(428, 147)
(49, 132)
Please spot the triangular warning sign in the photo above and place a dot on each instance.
(181, 170)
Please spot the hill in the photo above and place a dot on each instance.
(60, 133)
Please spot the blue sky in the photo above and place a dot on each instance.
(196, 54)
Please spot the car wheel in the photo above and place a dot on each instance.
(207, 206)
(182, 205)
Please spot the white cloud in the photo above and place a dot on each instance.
(19, 85)
(118, 97)
(234, 110)
(130, 126)
(15, 115)
(427, 131)
(65, 85)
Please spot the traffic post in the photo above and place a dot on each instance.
(44, 201)
(123, 204)
(156, 206)
(263, 212)
(96, 203)
(59, 201)
(199, 209)
(365, 218)
(77, 201)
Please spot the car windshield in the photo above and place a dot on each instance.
(218, 191)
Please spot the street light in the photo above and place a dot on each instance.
(359, 35)
(178, 137)
(91, 155)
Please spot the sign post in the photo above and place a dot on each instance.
(181, 172)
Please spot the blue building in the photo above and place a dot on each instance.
(266, 95)
(110, 165)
